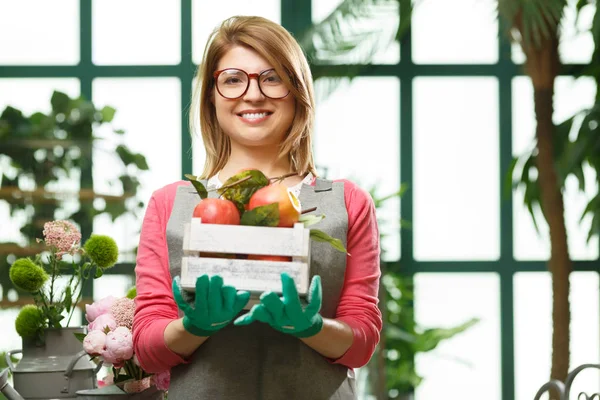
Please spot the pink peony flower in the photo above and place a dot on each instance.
(123, 310)
(102, 322)
(97, 308)
(94, 343)
(162, 380)
(62, 235)
(119, 346)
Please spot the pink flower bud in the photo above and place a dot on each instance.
(102, 322)
(94, 310)
(119, 346)
(94, 343)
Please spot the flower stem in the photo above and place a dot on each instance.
(52, 261)
(74, 303)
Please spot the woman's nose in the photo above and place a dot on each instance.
(253, 93)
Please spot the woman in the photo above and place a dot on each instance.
(254, 98)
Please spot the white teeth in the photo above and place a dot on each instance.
(254, 115)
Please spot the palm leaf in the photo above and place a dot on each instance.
(535, 20)
(352, 34)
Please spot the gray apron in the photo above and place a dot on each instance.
(255, 361)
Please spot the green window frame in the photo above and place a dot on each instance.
(296, 17)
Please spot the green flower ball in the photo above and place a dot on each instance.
(29, 321)
(102, 250)
(131, 293)
(27, 275)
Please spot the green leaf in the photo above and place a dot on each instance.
(140, 162)
(132, 293)
(79, 336)
(60, 103)
(242, 191)
(130, 183)
(115, 209)
(119, 131)
(128, 157)
(98, 273)
(67, 300)
(202, 192)
(108, 113)
(310, 219)
(321, 236)
(595, 228)
(508, 181)
(267, 215)
(430, 338)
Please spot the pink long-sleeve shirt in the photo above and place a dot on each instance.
(156, 308)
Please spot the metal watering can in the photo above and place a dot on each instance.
(55, 370)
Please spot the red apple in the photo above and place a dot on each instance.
(289, 206)
(217, 211)
(268, 258)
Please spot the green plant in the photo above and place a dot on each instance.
(61, 240)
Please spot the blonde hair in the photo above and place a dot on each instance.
(280, 49)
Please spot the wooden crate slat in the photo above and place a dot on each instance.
(251, 275)
(237, 239)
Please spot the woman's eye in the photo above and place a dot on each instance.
(272, 79)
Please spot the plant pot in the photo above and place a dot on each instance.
(56, 369)
(116, 392)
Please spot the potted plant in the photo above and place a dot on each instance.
(50, 350)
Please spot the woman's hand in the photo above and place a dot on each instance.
(215, 305)
(286, 314)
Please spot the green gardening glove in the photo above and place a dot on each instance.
(286, 314)
(214, 307)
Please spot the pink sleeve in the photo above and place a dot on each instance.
(358, 302)
(155, 307)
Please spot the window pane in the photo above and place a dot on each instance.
(384, 21)
(576, 41)
(149, 110)
(456, 169)
(39, 32)
(112, 285)
(468, 364)
(356, 149)
(206, 16)
(33, 94)
(571, 96)
(533, 330)
(28, 95)
(454, 32)
(125, 32)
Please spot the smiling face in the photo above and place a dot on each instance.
(253, 119)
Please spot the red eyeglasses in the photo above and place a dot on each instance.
(233, 83)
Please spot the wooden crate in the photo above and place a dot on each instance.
(255, 276)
